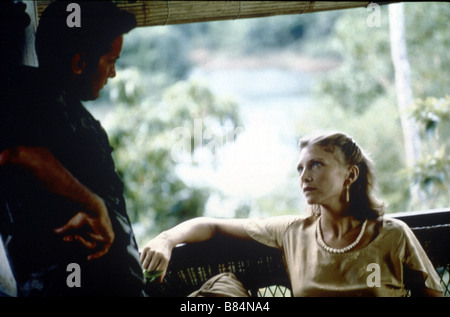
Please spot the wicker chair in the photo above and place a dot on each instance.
(261, 269)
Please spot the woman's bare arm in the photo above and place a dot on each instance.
(155, 255)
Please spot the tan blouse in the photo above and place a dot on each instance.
(382, 268)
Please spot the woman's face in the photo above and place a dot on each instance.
(322, 176)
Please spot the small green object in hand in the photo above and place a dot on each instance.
(152, 276)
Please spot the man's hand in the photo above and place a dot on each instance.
(91, 226)
(92, 229)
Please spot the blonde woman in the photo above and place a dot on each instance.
(344, 248)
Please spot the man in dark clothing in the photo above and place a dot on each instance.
(68, 230)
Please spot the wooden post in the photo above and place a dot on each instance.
(7, 281)
(29, 54)
(400, 61)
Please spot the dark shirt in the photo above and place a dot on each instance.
(49, 117)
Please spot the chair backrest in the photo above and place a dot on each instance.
(256, 266)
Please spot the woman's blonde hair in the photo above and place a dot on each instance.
(363, 200)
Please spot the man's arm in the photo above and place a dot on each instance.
(58, 180)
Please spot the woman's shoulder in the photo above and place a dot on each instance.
(394, 227)
(296, 220)
(391, 223)
(282, 222)
(273, 230)
(298, 223)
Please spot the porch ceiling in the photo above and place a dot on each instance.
(152, 13)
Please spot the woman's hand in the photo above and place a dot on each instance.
(155, 256)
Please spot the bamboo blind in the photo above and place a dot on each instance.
(150, 13)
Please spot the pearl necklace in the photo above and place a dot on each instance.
(343, 250)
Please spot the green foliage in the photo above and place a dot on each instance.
(260, 35)
(428, 45)
(366, 72)
(161, 52)
(432, 171)
(284, 200)
(143, 133)
(152, 276)
(432, 114)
